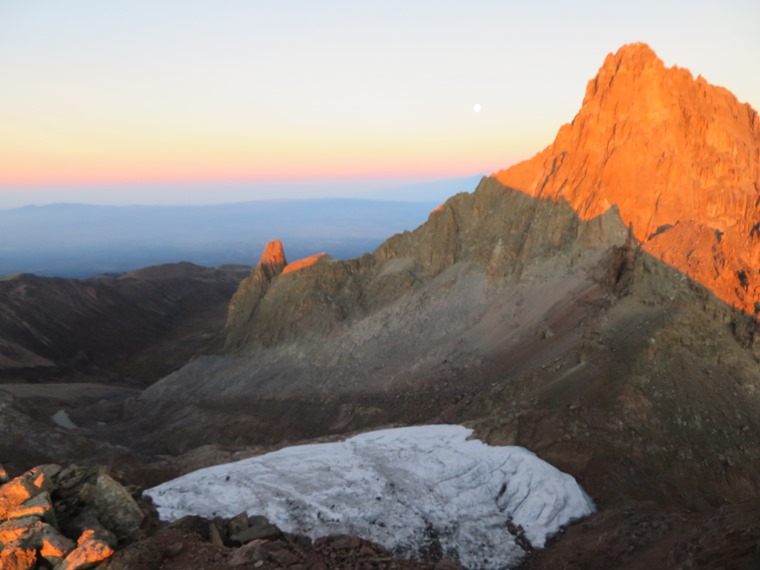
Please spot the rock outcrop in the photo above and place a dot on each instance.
(246, 305)
(242, 307)
(272, 261)
(678, 157)
(66, 519)
(502, 233)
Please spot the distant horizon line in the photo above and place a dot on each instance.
(217, 204)
(305, 179)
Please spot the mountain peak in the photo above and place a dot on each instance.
(272, 261)
(665, 148)
(636, 50)
(628, 65)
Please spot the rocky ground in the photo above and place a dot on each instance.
(646, 536)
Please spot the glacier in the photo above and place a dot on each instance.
(421, 491)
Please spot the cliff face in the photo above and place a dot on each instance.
(680, 159)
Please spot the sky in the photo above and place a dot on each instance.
(204, 101)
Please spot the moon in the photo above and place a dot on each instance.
(476, 107)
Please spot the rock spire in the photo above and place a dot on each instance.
(272, 261)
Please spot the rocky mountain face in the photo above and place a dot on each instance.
(680, 159)
(544, 330)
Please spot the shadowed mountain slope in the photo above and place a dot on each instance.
(507, 311)
(138, 326)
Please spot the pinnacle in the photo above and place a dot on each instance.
(272, 261)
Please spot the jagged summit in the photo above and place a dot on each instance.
(666, 149)
(272, 261)
(634, 59)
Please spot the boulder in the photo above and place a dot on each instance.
(52, 545)
(113, 506)
(40, 506)
(263, 531)
(91, 550)
(13, 529)
(237, 524)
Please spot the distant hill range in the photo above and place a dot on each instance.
(134, 327)
(75, 240)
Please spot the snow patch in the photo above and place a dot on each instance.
(422, 492)
(61, 418)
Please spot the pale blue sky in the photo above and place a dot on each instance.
(98, 96)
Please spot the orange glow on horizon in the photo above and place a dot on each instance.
(25, 176)
(188, 157)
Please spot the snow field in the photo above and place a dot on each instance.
(419, 491)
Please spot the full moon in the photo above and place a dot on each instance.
(476, 107)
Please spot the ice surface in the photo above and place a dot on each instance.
(419, 491)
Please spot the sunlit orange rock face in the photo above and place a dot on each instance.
(302, 263)
(272, 261)
(679, 157)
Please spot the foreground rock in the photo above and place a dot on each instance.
(69, 519)
(183, 548)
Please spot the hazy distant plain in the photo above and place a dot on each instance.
(74, 240)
